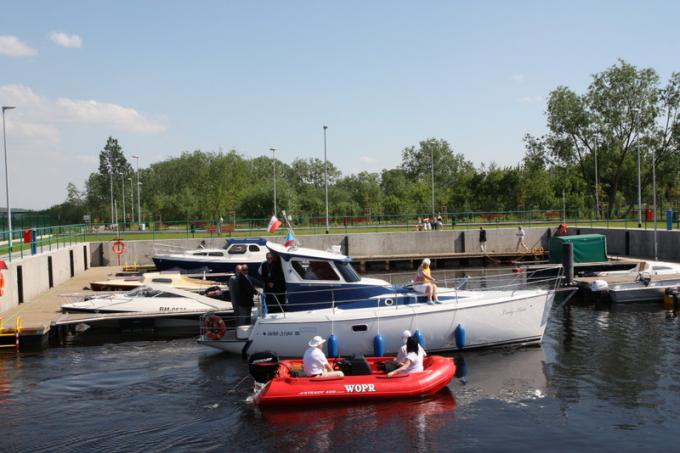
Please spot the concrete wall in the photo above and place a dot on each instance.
(638, 242)
(359, 245)
(35, 272)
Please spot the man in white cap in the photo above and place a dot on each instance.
(424, 282)
(315, 362)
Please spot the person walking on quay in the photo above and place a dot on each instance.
(482, 239)
(520, 239)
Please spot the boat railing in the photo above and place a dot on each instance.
(510, 282)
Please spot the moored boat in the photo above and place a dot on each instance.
(285, 386)
(326, 297)
(249, 251)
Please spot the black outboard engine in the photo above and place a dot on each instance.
(263, 366)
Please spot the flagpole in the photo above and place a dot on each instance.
(290, 227)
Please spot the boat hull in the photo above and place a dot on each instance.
(163, 263)
(286, 390)
(638, 292)
(487, 321)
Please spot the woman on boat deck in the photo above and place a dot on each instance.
(315, 362)
(424, 283)
(414, 358)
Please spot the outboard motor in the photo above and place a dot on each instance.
(263, 366)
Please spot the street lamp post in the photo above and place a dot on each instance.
(123, 196)
(9, 209)
(656, 255)
(273, 150)
(132, 201)
(111, 179)
(432, 169)
(139, 209)
(639, 188)
(597, 195)
(325, 173)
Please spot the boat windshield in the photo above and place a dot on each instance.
(315, 270)
(347, 272)
(145, 291)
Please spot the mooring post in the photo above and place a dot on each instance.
(568, 263)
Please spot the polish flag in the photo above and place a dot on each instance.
(290, 239)
(274, 224)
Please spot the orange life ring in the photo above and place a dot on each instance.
(215, 327)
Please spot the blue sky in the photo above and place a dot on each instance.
(165, 77)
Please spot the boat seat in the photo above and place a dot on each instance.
(360, 366)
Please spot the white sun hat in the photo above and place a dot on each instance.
(405, 335)
(426, 261)
(316, 341)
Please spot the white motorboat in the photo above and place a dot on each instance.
(252, 252)
(174, 279)
(326, 297)
(178, 306)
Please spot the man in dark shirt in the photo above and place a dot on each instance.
(482, 239)
(246, 292)
(274, 282)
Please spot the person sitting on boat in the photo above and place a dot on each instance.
(315, 362)
(414, 358)
(401, 355)
(424, 283)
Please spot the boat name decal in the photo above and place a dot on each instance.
(282, 333)
(172, 309)
(360, 388)
(516, 310)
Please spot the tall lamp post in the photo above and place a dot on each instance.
(432, 169)
(325, 173)
(597, 186)
(656, 255)
(132, 201)
(273, 150)
(139, 210)
(637, 146)
(9, 209)
(123, 196)
(111, 179)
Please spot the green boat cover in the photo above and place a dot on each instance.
(588, 248)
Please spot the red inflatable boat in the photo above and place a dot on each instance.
(366, 382)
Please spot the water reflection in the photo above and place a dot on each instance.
(412, 424)
(508, 375)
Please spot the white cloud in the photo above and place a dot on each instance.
(64, 40)
(12, 46)
(35, 108)
(530, 99)
(368, 159)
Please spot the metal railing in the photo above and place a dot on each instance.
(30, 241)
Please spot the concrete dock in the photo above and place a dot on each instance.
(39, 314)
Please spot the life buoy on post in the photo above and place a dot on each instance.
(214, 326)
(118, 247)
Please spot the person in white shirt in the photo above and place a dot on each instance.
(520, 238)
(401, 355)
(414, 359)
(315, 362)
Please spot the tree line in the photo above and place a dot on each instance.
(587, 160)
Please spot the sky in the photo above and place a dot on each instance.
(164, 77)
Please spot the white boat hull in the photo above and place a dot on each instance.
(488, 318)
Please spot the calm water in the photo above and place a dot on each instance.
(602, 381)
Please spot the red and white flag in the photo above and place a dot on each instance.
(274, 224)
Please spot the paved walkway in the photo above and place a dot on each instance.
(38, 314)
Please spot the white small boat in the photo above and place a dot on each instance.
(335, 300)
(646, 289)
(167, 302)
(249, 251)
(174, 279)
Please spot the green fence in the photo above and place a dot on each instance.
(28, 241)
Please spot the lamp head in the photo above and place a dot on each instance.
(7, 107)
